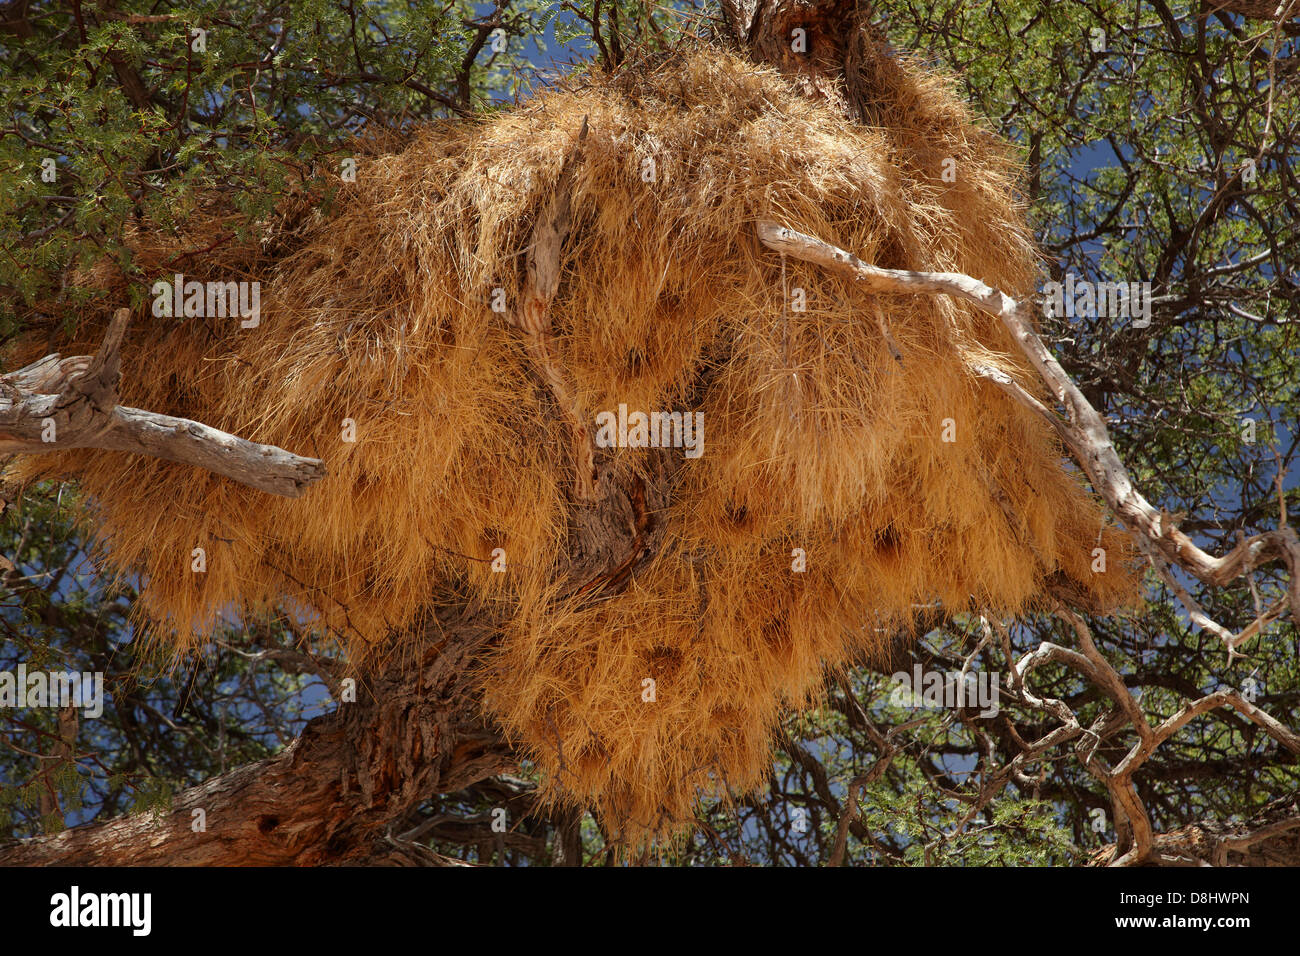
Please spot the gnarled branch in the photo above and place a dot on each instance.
(59, 403)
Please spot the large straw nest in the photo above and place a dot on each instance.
(815, 438)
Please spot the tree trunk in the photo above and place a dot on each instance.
(818, 43)
(415, 730)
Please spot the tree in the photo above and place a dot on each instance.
(1170, 742)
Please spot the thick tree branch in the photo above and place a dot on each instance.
(415, 730)
(1270, 838)
(59, 403)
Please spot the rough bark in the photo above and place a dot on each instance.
(414, 730)
(1270, 838)
(824, 59)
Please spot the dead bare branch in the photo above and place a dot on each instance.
(58, 403)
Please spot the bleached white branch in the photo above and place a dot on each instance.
(1083, 429)
(58, 403)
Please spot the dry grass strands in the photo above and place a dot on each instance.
(817, 442)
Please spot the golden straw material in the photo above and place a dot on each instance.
(817, 442)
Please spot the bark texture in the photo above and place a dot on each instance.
(1270, 838)
(59, 403)
(414, 730)
(818, 43)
